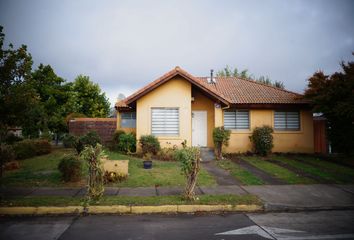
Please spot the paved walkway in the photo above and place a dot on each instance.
(221, 176)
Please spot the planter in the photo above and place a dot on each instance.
(147, 164)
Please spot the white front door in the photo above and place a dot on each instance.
(199, 128)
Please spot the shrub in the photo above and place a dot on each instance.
(127, 143)
(25, 149)
(221, 137)
(12, 138)
(116, 136)
(69, 140)
(7, 153)
(262, 140)
(190, 161)
(166, 154)
(114, 177)
(70, 168)
(149, 144)
(42, 146)
(91, 139)
(46, 136)
(93, 156)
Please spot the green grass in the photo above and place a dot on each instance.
(126, 200)
(37, 171)
(237, 172)
(162, 173)
(42, 171)
(325, 170)
(278, 171)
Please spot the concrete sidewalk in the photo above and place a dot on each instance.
(275, 197)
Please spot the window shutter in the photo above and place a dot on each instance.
(287, 120)
(236, 119)
(165, 121)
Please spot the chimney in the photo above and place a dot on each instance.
(211, 79)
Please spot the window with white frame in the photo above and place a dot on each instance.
(237, 119)
(128, 120)
(165, 121)
(287, 120)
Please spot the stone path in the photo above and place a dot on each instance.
(222, 176)
(264, 176)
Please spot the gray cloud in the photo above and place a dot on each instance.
(123, 45)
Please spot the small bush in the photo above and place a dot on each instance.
(7, 153)
(47, 136)
(127, 143)
(149, 144)
(262, 140)
(91, 138)
(166, 154)
(25, 149)
(221, 137)
(190, 166)
(12, 138)
(116, 137)
(42, 146)
(69, 140)
(70, 168)
(114, 177)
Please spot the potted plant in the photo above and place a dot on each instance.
(150, 146)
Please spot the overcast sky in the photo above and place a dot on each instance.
(123, 45)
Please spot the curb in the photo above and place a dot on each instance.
(123, 209)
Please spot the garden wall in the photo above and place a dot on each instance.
(105, 127)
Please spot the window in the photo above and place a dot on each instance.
(236, 119)
(128, 120)
(287, 121)
(165, 121)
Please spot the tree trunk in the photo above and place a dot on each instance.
(192, 181)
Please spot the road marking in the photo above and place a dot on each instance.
(282, 233)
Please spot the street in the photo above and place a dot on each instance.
(287, 226)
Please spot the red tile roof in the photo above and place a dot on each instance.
(229, 90)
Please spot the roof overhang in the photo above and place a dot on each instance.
(280, 106)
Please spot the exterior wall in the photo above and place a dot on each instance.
(203, 103)
(284, 141)
(177, 92)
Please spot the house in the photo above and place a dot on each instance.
(179, 106)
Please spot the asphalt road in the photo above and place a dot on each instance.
(287, 226)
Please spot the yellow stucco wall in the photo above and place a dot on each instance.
(284, 141)
(203, 103)
(177, 92)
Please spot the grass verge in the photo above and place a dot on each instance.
(278, 171)
(244, 176)
(327, 171)
(131, 201)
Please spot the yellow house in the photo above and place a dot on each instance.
(178, 106)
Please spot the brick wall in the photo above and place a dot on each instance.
(105, 127)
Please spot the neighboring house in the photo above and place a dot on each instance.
(179, 106)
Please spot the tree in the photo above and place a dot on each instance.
(333, 96)
(91, 101)
(229, 72)
(16, 95)
(55, 103)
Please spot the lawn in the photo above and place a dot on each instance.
(42, 171)
(239, 173)
(162, 174)
(127, 200)
(277, 171)
(326, 170)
